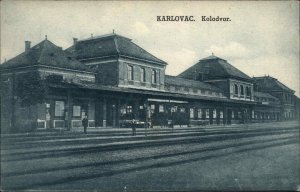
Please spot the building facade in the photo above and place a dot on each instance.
(112, 81)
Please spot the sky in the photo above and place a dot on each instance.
(262, 38)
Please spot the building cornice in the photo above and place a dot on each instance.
(122, 56)
(45, 66)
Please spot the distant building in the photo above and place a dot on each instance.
(281, 94)
(111, 80)
(218, 72)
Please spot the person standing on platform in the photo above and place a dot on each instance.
(133, 126)
(85, 123)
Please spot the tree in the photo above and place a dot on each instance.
(31, 89)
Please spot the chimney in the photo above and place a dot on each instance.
(27, 45)
(75, 41)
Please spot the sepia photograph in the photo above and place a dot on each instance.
(149, 95)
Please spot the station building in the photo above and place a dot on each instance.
(113, 81)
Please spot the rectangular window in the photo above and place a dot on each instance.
(161, 108)
(191, 113)
(214, 113)
(47, 111)
(286, 98)
(129, 109)
(143, 75)
(200, 76)
(59, 108)
(182, 110)
(199, 113)
(174, 109)
(123, 110)
(130, 72)
(152, 107)
(76, 110)
(207, 113)
(221, 114)
(239, 115)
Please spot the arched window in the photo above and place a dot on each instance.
(242, 90)
(143, 74)
(153, 76)
(130, 72)
(236, 89)
(248, 92)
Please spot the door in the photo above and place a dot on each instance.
(229, 113)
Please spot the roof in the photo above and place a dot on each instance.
(264, 95)
(45, 53)
(110, 45)
(120, 90)
(214, 68)
(211, 57)
(267, 83)
(172, 80)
